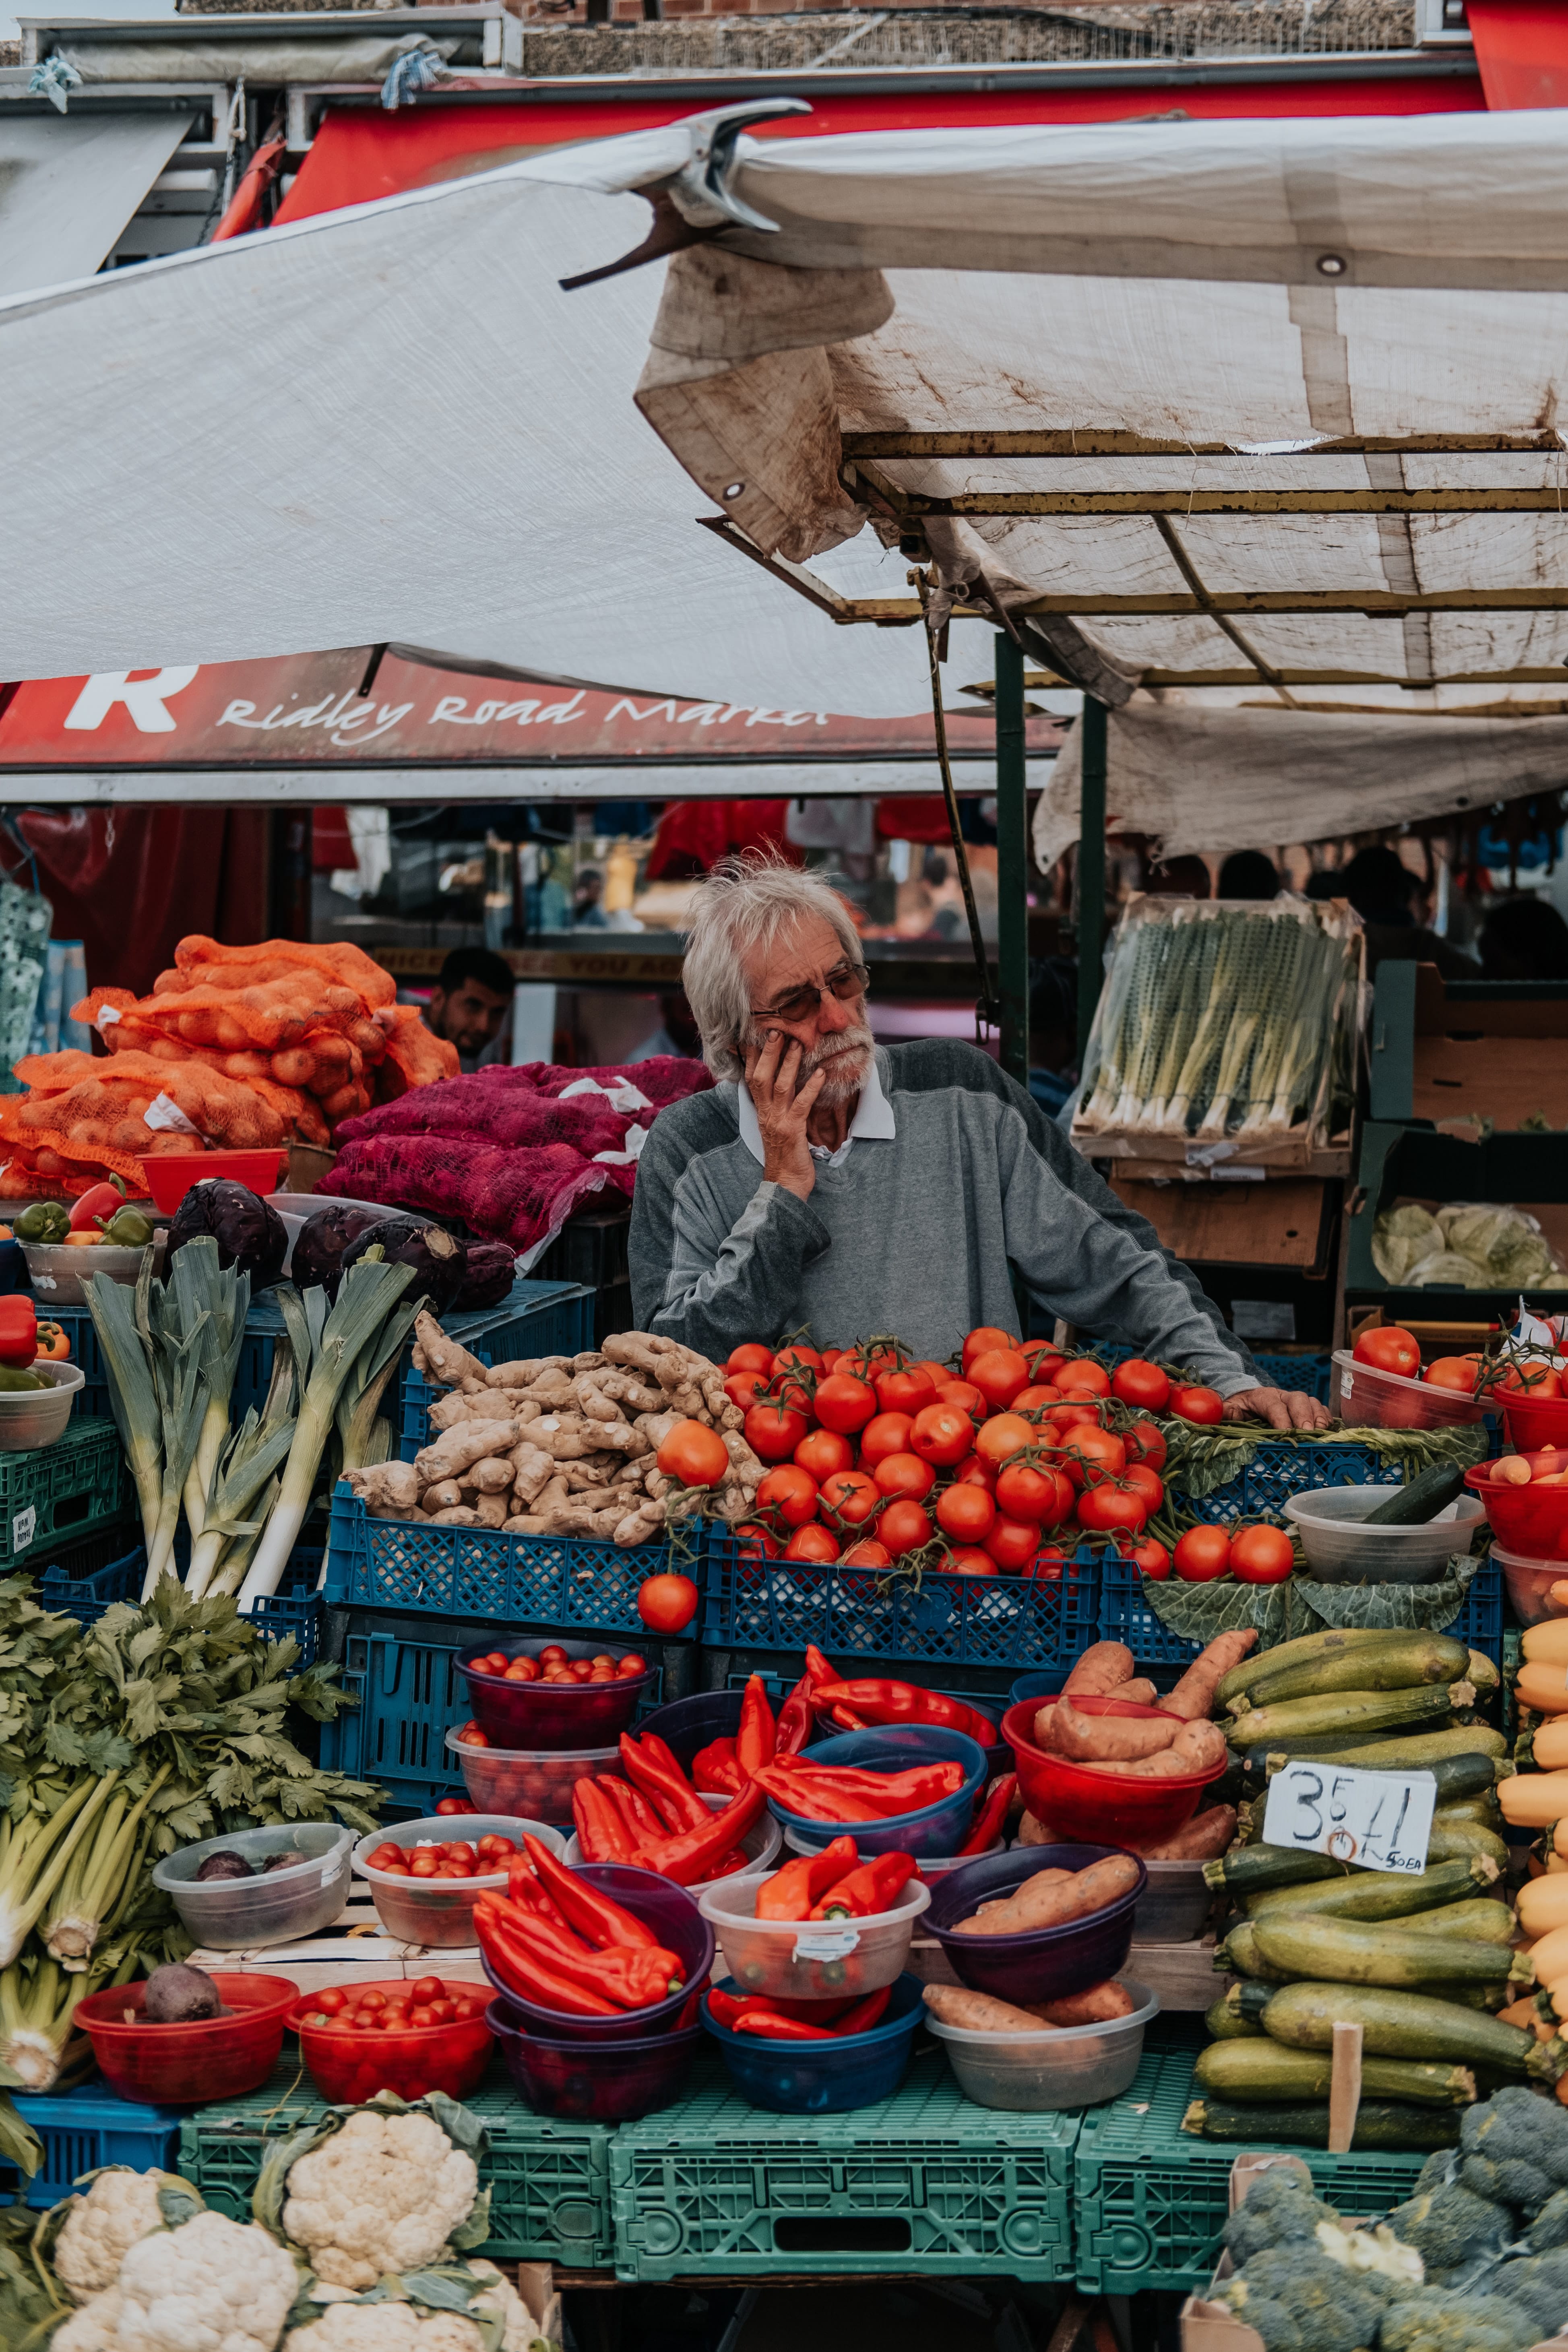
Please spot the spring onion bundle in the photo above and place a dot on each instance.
(1219, 1019)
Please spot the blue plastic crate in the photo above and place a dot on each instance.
(83, 2129)
(297, 1608)
(1125, 1616)
(1313, 1373)
(540, 1318)
(857, 1613)
(1279, 1470)
(410, 1695)
(568, 1584)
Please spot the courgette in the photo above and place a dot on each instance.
(1380, 2123)
(1254, 1761)
(1239, 1955)
(1352, 1713)
(1478, 1919)
(1381, 1894)
(1409, 2025)
(1482, 1674)
(1222, 2023)
(1407, 1663)
(1247, 1870)
(1422, 1499)
(1244, 2001)
(1265, 2069)
(1455, 1835)
(1463, 1761)
(1350, 1952)
(1326, 1645)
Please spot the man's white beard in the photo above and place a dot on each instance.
(846, 1059)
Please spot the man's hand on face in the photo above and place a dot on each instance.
(1281, 1408)
(772, 1071)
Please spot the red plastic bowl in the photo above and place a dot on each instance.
(605, 2082)
(170, 1174)
(1529, 1519)
(352, 2067)
(1100, 1808)
(189, 2065)
(553, 1715)
(1533, 1422)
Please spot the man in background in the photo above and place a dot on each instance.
(471, 1006)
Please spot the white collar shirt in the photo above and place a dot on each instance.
(873, 1122)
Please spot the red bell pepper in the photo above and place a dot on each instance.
(714, 1771)
(865, 2013)
(650, 1765)
(992, 1814)
(875, 1887)
(690, 1857)
(595, 1917)
(756, 1738)
(100, 1201)
(768, 2025)
(19, 1332)
(790, 1893)
(601, 1832)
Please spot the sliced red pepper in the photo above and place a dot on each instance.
(653, 1769)
(601, 1832)
(790, 1893)
(992, 1814)
(690, 1858)
(605, 1923)
(714, 1771)
(755, 1741)
(873, 1888)
(865, 2013)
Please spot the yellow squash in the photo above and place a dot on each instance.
(1535, 1801)
(1543, 1905)
(1547, 1644)
(1543, 1685)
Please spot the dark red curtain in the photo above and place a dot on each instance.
(131, 882)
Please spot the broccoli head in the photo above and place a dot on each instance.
(1452, 2230)
(1514, 2149)
(1435, 2320)
(1277, 2211)
(1550, 2226)
(1299, 2301)
(1539, 2285)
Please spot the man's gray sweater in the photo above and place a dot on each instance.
(914, 1237)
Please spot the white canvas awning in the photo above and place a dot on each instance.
(66, 190)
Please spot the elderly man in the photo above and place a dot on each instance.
(829, 1185)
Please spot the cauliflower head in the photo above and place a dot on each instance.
(500, 2297)
(385, 2327)
(1437, 2321)
(384, 2194)
(94, 2328)
(101, 2227)
(211, 2285)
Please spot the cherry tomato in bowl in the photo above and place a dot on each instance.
(410, 2038)
(532, 1693)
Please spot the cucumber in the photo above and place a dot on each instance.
(1222, 2023)
(1406, 1664)
(1476, 1919)
(1422, 1499)
(1326, 1645)
(1263, 2068)
(1380, 1894)
(1464, 1762)
(1251, 1869)
(1350, 1952)
(1352, 1713)
(1380, 2123)
(1410, 2025)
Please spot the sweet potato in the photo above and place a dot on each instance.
(1197, 1747)
(1101, 1667)
(1140, 1691)
(1205, 1835)
(1047, 1900)
(1194, 1696)
(977, 2012)
(1102, 1739)
(1033, 1832)
(1097, 2006)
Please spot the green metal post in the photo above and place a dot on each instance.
(1090, 870)
(1012, 862)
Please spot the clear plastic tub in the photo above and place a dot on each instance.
(1529, 1584)
(823, 2078)
(57, 1270)
(439, 1913)
(1175, 1905)
(1365, 1398)
(1340, 1551)
(804, 1960)
(760, 1845)
(30, 1418)
(242, 1915)
(1059, 2067)
(532, 1781)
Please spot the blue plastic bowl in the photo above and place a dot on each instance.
(934, 1830)
(822, 2078)
(1039, 1685)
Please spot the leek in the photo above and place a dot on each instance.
(257, 1451)
(213, 1303)
(342, 1344)
(132, 1392)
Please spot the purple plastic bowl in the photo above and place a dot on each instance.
(602, 2083)
(552, 1715)
(1043, 1963)
(681, 1928)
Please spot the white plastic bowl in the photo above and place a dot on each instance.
(440, 1911)
(1339, 1550)
(30, 1418)
(1367, 1398)
(242, 1915)
(808, 1959)
(1059, 2067)
(760, 1845)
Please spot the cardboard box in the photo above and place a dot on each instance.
(1464, 1052)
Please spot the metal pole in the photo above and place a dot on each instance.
(1090, 870)
(1012, 862)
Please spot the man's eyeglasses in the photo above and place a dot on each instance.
(845, 980)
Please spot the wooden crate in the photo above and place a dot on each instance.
(354, 1949)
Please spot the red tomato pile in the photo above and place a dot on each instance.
(552, 1664)
(873, 1456)
(457, 1859)
(1261, 1554)
(365, 2009)
(1388, 1348)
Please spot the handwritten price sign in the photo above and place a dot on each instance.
(1376, 1821)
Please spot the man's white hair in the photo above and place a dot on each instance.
(745, 904)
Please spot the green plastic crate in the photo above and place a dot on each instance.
(1150, 2201)
(62, 1492)
(550, 2179)
(923, 2183)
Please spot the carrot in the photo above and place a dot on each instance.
(1194, 1696)
(1097, 2006)
(1047, 1900)
(976, 2012)
(1103, 1738)
(1205, 1835)
(1101, 1668)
